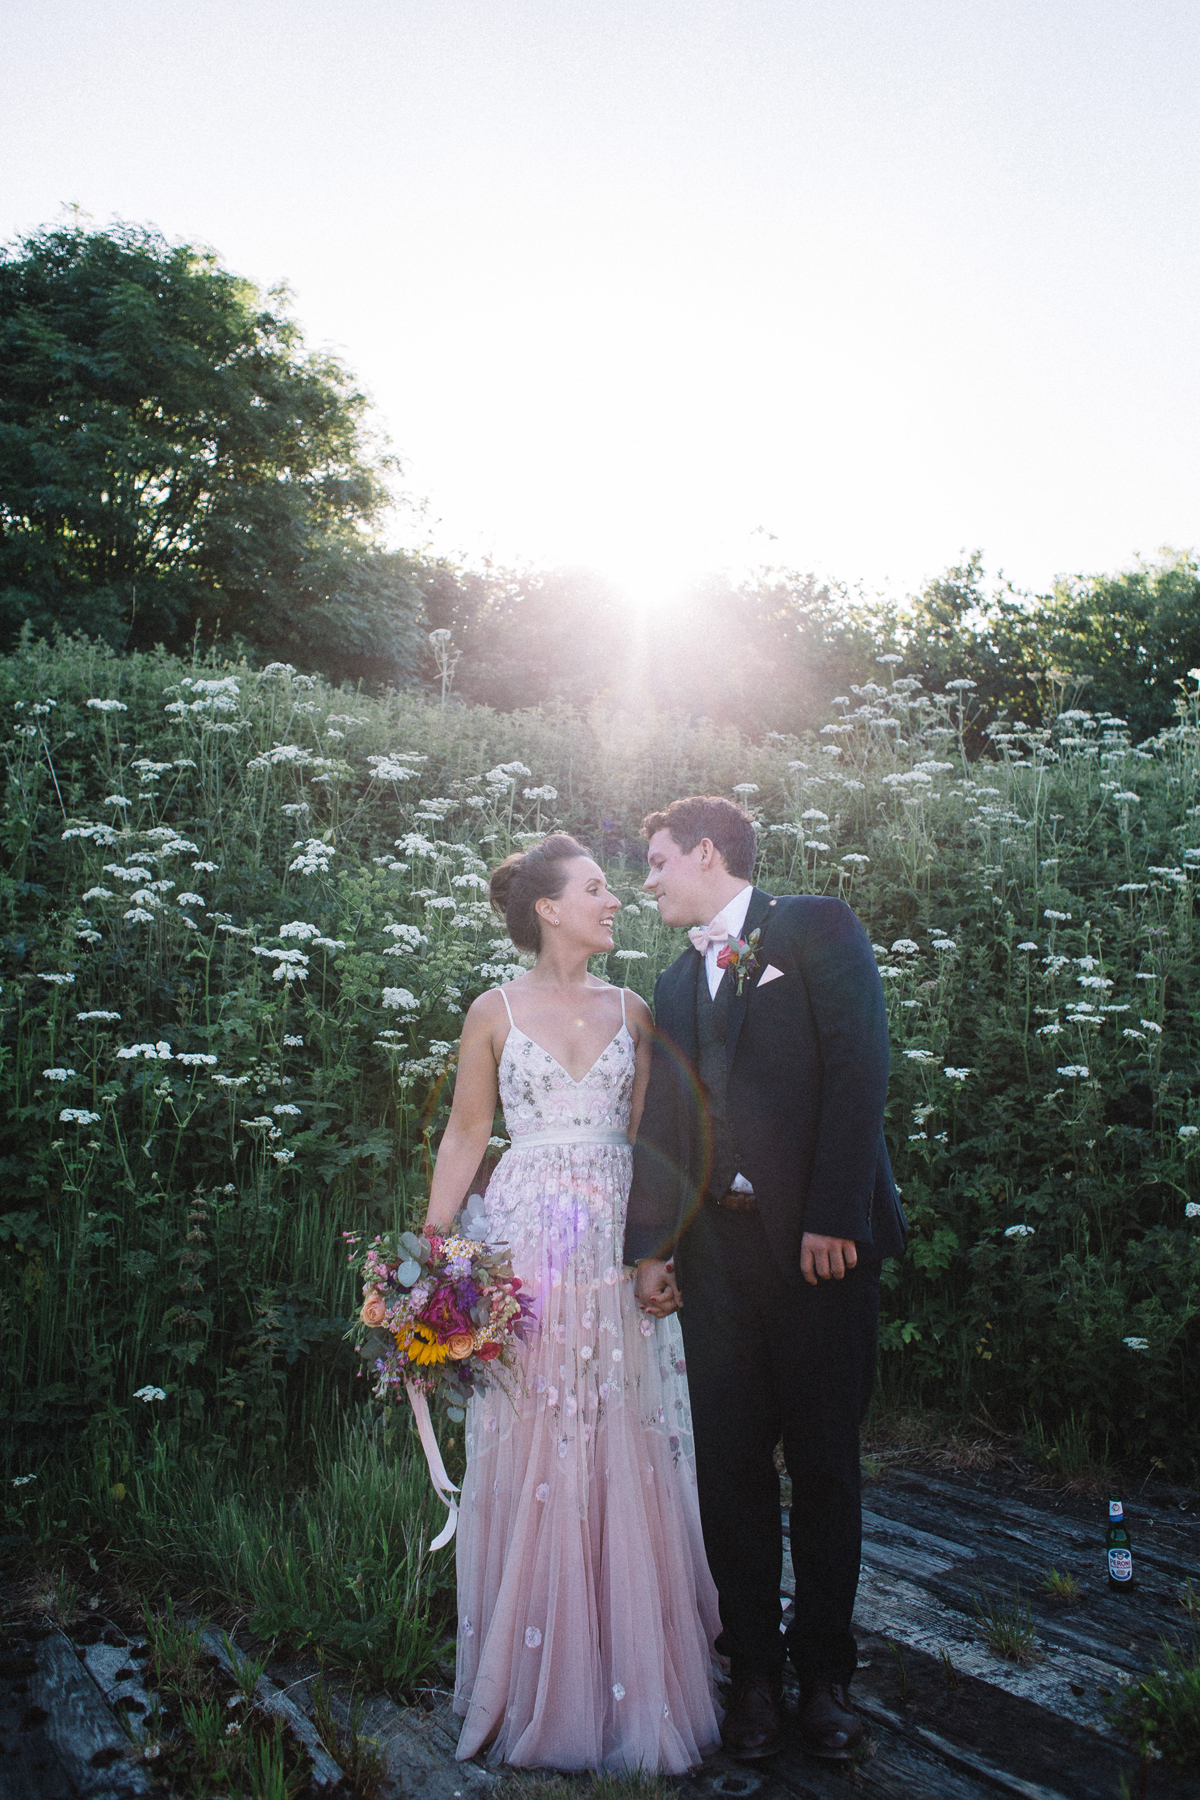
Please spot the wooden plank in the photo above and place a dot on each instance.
(326, 1774)
(86, 1736)
(107, 1665)
(29, 1767)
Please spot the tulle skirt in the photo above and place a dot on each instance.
(586, 1612)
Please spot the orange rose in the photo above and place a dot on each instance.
(374, 1311)
(459, 1345)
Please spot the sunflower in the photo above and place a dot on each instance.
(423, 1346)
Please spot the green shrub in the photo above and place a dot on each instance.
(172, 1224)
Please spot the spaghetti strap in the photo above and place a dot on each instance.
(507, 1007)
(623, 1009)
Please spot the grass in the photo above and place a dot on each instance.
(1160, 1712)
(331, 1554)
(1061, 1586)
(1007, 1628)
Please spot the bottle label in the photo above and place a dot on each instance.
(1120, 1565)
(1115, 1510)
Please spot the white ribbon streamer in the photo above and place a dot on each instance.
(443, 1487)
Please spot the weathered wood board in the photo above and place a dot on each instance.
(947, 1718)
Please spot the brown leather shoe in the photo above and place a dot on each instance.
(828, 1727)
(753, 1724)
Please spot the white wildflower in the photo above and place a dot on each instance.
(292, 1042)
(1192, 1210)
(1018, 1231)
(108, 706)
(109, 1018)
(73, 1115)
(547, 793)
(745, 787)
(387, 768)
(1189, 1131)
(1136, 1343)
(149, 1393)
(314, 857)
(957, 1074)
(920, 1056)
(287, 1110)
(852, 856)
(1048, 913)
(56, 980)
(57, 1074)
(400, 1000)
(1075, 1071)
(812, 813)
(630, 955)
(196, 1059)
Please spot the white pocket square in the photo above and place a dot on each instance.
(770, 973)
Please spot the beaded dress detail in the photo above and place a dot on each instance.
(586, 1609)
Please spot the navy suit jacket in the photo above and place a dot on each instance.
(807, 1079)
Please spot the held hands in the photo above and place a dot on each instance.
(823, 1257)
(655, 1288)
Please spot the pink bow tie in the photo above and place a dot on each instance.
(704, 937)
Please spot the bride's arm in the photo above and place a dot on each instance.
(639, 1019)
(465, 1138)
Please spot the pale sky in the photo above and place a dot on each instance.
(629, 282)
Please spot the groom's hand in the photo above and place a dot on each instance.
(655, 1288)
(823, 1257)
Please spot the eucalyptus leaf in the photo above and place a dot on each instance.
(408, 1272)
(456, 1413)
(412, 1243)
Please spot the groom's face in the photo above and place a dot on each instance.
(678, 880)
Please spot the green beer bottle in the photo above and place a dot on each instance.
(1120, 1549)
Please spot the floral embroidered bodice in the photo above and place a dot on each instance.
(541, 1100)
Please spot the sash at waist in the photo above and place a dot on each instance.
(570, 1134)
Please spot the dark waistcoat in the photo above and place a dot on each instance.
(712, 1021)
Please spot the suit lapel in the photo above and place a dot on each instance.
(757, 914)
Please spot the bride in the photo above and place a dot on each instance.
(586, 1611)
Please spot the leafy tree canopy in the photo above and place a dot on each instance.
(173, 458)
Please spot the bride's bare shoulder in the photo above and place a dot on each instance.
(637, 1014)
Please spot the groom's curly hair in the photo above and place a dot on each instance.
(730, 828)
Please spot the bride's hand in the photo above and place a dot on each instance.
(655, 1288)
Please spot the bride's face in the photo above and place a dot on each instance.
(585, 909)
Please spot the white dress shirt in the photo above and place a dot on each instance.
(731, 918)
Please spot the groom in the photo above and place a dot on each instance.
(761, 1182)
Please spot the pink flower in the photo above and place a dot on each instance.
(443, 1314)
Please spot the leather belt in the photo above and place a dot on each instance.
(736, 1200)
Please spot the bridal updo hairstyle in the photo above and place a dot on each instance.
(708, 816)
(522, 880)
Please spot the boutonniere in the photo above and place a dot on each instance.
(740, 955)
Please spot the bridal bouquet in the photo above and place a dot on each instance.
(441, 1315)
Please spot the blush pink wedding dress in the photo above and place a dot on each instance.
(586, 1612)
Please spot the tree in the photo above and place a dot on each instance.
(171, 457)
(1135, 635)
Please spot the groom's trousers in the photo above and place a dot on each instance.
(771, 1357)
